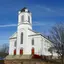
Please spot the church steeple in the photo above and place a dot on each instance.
(24, 24)
(24, 17)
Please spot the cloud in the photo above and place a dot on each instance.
(9, 25)
(37, 23)
(49, 11)
(14, 25)
(46, 11)
(45, 8)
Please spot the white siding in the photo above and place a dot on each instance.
(41, 44)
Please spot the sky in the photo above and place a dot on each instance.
(45, 14)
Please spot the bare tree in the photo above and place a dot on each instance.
(4, 48)
(51, 49)
(57, 36)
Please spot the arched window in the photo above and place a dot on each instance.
(22, 18)
(21, 51)
(22, 38)
(15, 43)
(32, 41)
(28, 19)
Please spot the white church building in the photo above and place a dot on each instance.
(26, 41)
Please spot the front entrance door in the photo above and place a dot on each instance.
(15, 52)
(32, 50)
(21, 51)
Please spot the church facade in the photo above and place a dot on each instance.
(27, 46)
(26, 41)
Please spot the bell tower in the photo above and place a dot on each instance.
(24, 23)
(24, 17)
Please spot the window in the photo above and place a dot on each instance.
(32, 41)
(22, 18)
(22, 38)
(28, 19)
(45, 49)
(15, 44)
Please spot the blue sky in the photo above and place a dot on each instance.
(45, 14)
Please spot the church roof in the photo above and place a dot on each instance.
(25, 10)
(37, 34)
(14, 35)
